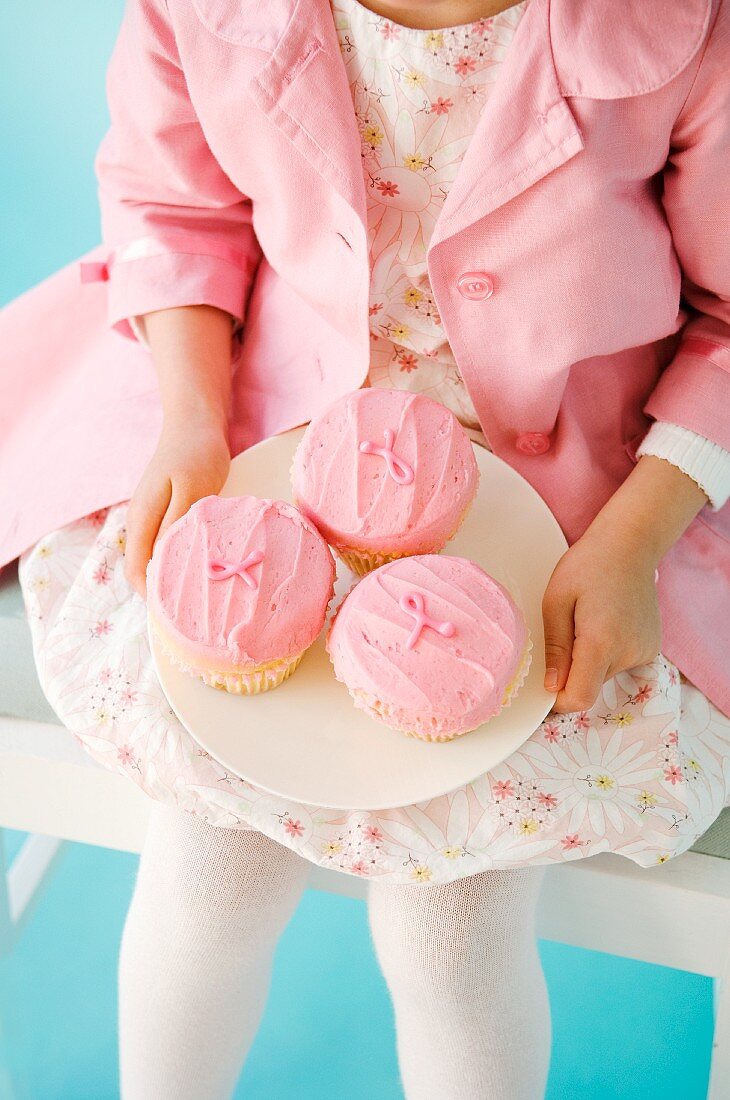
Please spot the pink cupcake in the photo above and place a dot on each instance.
(430, 645)
(238, 589)
(384, 474)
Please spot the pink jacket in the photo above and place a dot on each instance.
(593, 196)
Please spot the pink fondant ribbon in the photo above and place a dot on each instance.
(413, 605)
(220, 570)
(399, 470)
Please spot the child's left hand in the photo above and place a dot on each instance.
(600, 608)
(601, 616)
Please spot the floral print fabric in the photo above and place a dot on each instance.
(643, 773)
(417, 97)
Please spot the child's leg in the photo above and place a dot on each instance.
(471, 1006)
(208, 908)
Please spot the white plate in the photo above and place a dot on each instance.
(305, 741)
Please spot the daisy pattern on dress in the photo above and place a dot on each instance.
(162, 734)
(373, 71)
(595, 783)
(385, 56)
(387, 360)
(493, 845)
(705, 738)
(534, 808)
(407, 304)
(407, 183)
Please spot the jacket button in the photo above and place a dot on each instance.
(533, 443)
(476, 285)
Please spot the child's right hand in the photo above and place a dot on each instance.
(191, 461)
(191, 349)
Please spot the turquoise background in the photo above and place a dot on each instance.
(621, 1029)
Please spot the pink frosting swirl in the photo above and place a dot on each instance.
(428, 644)
(360, 494)
(239, 581)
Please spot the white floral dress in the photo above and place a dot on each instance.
(643, 773)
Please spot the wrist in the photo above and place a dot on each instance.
(650, 511)
(630, 543)
(195, 413)
(191, 349)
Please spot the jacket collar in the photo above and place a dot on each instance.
(605, 50)
(601, 50)
(526, 129)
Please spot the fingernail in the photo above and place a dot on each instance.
(551, 679)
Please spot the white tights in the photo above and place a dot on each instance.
(471, 1008)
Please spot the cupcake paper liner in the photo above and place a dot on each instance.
(521, 675)
(362, 562)
(252, 681)
(264, 678)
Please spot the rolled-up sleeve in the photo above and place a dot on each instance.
(177, 230)
(694, 389)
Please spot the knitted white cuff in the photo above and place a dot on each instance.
(705, 462)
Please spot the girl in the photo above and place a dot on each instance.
(521, 210)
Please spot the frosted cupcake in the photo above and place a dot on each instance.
(431, 646)
(238, 589)
(384, 474)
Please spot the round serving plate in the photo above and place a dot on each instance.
(305, 740)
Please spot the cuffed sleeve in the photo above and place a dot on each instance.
(694, 389)
(704, 461)
(179, 232)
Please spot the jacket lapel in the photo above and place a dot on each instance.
(526, 130)
(303, 89)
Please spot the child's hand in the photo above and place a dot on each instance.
(191, 461)
(601, 616)
(600, 607)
